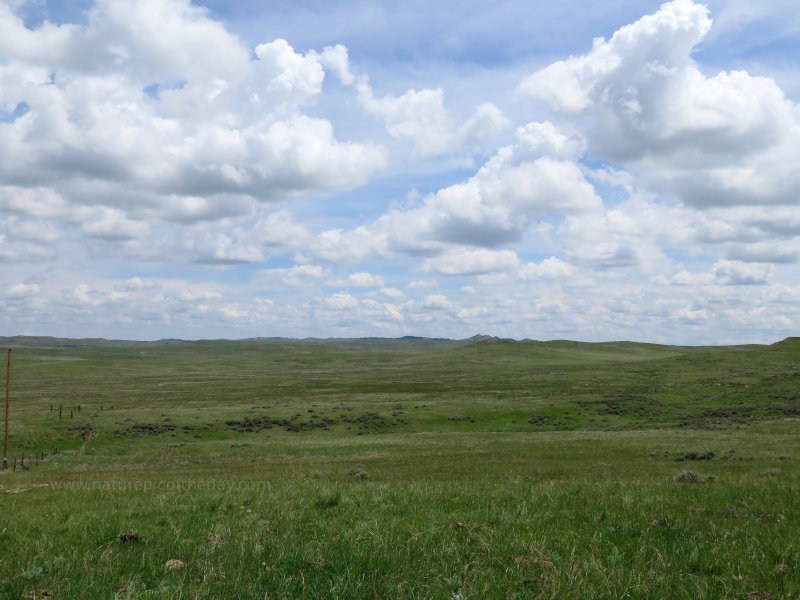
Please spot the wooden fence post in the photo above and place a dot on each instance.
(8, 396)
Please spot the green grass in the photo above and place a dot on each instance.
(402, 469)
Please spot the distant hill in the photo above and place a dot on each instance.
(32, 341)
(44, 341)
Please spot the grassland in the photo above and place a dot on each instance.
(401, 469)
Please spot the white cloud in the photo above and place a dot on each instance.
(292, 76)
(340, 301)
(727, 272)
(336, 59)
(298, 276)
(663, 190)
(544, 139)
(360, 279)
(302, 275)
(155, 111)
(22, 252)
(31, 230)
(231, 242)
(420, 116)
(438, 302)
(471, 261)
(486, 122)
(421, 284)
(726, 139)
(550, 268)
(337, 246)
(112, 224)
(391, 294)
(35, 45)
(172, 40)
(518, 185)
(21, 290)
(734, 272)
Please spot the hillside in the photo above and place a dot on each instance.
(409, 468)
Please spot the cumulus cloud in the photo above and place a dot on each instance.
(296, 276)
(438, 302)
(153, 110)
(727, 272)
(251, 241)
(421, 284)
(536, 177)
(420, 116)
(30, 230)
(22, 252)
(391, 294)
(41, 44)
(21, 290)
(734, 272)
(726, 139)
(549, 268)
(112, 224)
(471, 261)
(340, 301)
(151, 133)
(360, 279)
(336, 59)
(338, 246)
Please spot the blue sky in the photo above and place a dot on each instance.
(581, 170)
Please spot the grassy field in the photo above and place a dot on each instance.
(400, 469)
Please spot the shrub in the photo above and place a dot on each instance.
(695, 455)
(774, 472)
(692, 477)
(130, 536)
(33, 572)
(358, 474)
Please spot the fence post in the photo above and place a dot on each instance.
(8, 397)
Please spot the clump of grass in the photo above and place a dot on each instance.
(455, 583)
(694, 477)
(55, 562)
(330, 500)
(358, 474)
(32, 572)
(696, 455)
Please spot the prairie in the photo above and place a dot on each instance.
(409, 468)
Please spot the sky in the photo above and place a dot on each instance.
(624, 170)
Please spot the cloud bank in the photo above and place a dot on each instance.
(161, 176)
